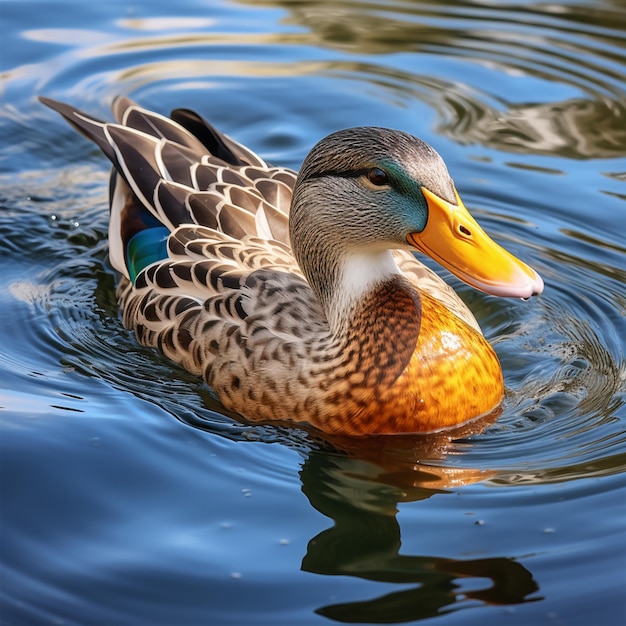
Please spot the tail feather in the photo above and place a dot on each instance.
(218, 144)
(86, 125)
(131, 115)
(171, 172)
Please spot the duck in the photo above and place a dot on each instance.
(299, 297)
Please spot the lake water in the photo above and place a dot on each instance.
(128, 497)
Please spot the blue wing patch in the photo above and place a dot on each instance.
(146, 247)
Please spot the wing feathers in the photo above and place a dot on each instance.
(218, 144)
(227, 213)
(131, 115)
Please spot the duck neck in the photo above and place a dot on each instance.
(357, 274)
(379, 333)
(341, 274)
(373, 312)
(356, 284)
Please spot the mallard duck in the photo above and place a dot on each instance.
(298, 296)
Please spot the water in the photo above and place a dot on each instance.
(129, 497)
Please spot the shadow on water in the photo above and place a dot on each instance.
(358, 484)
(538, 80)
(365, 541)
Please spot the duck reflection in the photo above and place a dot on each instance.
(361, 496)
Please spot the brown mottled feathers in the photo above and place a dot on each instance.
(230, 302)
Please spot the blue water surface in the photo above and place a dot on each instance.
(130, 497)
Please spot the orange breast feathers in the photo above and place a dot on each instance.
(453, 376)
(416, 367)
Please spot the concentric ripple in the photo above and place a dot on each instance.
(526, 103)
(562, 355)
(574, 53)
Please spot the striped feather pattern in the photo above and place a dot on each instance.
(230, 302)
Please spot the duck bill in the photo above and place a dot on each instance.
(453, 238)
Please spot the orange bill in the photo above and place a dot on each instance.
(453, 238)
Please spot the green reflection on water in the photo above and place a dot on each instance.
(365, 542)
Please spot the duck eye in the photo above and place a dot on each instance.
(378, 177)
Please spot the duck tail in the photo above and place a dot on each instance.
(146, 205)
(154, 187)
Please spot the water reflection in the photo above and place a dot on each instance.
(478, 66)
(529, 78)
(365, 541)
(500, 48)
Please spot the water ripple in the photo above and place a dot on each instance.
(563, 363)
(465, 67)
(127, 481)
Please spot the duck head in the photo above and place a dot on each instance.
(364, 191)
